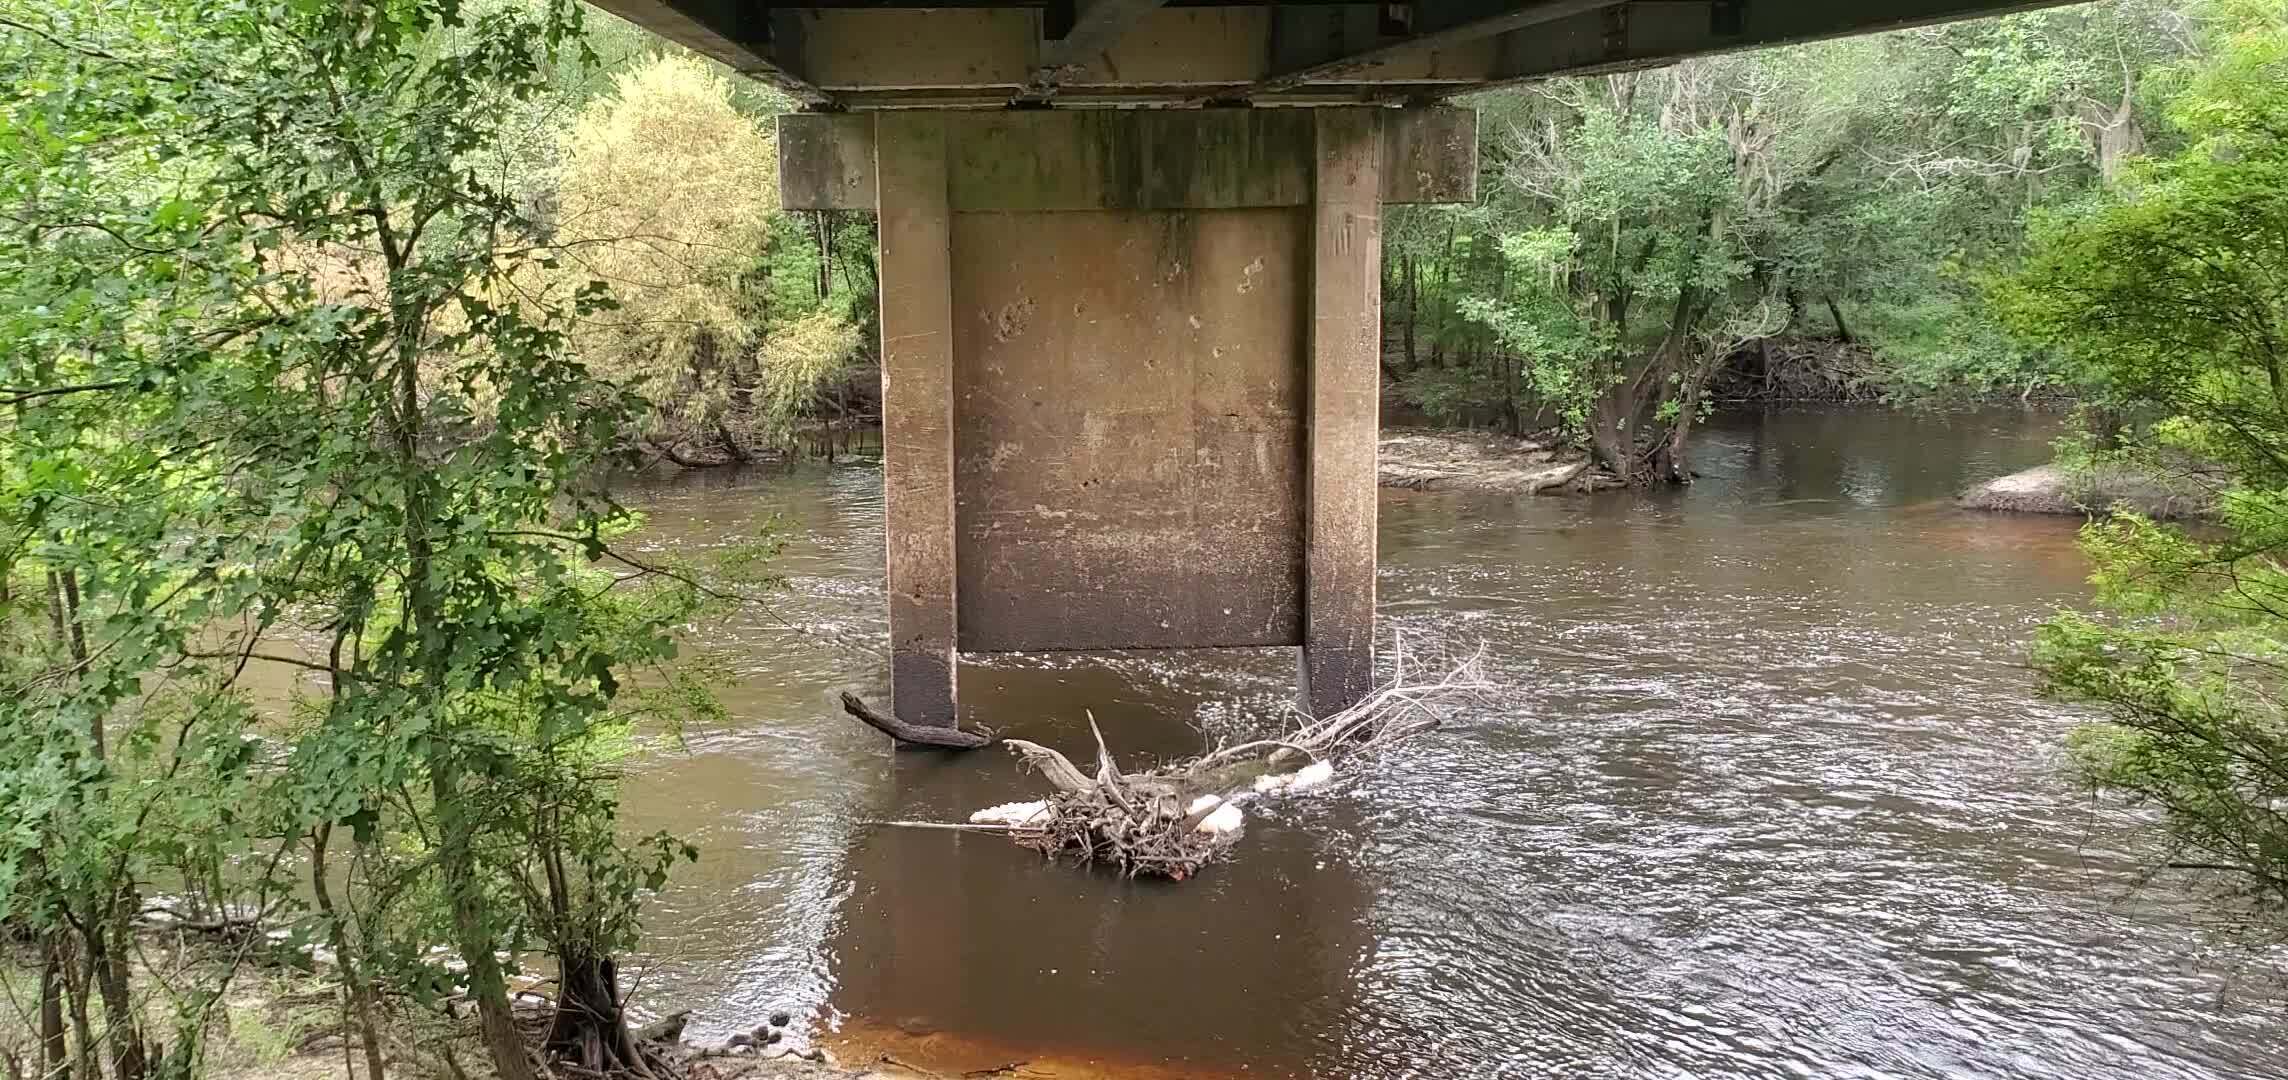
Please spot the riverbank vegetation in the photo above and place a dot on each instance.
(2172, 302)
(1815, 222)
(317, 641)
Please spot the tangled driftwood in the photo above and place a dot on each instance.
(1173, 820)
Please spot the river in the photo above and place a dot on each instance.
(1767, 794)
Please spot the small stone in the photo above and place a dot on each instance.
(780, 1019)
(773, 1038)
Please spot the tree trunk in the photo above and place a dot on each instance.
(424, 614)
(122, 1023)
(1842, 329)
(590, 1028)
(1410, 275)
(822, 226)
(85, 1065)
(471, 933)
(106, 929)
(55, 1049)
(354, 986)
(1612, 431)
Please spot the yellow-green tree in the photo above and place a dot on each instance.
(666, 195)
(805, 364)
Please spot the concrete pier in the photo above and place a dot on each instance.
(1131, 283)
(1130, 373)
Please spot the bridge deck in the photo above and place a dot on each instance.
(869, 54)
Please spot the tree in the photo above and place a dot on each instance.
(1873, 186)
(2174, 296)
(292, 382)
(666, 194)
(122, 748)
(1626, 258)
(802, 362)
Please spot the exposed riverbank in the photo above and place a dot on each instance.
(1430, 459)
(2089, 491)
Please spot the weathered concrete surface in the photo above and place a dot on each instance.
(917, 414)
(1128, 160)
(1422, 460)
(1130, 374)
(2188, 492)
(1345, 385)
(1128, 429)
(826, 162)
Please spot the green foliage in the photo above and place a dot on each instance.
(2174, 299)
(802, 361)
(291, 385)
(1865, 191)
(1614, 266)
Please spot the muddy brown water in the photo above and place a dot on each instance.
(1767, 796)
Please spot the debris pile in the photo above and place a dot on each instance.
(1171, 821)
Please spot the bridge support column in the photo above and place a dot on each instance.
(1130, 373)
(917, 414)
(1345, 402)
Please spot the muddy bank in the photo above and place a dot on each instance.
(1423, 459)
(2167, 493)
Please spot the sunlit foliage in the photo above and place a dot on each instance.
(666, 193)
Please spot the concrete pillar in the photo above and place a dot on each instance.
(1342, 417)
(917, 412)
(1130, 373)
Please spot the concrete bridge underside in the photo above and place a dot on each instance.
(1131, 306)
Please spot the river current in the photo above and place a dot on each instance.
(1766, 793)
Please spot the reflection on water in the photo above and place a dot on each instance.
(1769, 797)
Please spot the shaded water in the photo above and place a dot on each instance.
(1770, 798)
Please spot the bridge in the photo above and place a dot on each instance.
(1131, 284)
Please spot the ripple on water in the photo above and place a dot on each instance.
(1767, 796)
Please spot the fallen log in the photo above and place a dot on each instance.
(946, 738)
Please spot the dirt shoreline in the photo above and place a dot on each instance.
(1433, 459)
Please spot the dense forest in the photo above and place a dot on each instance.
(320, 324)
